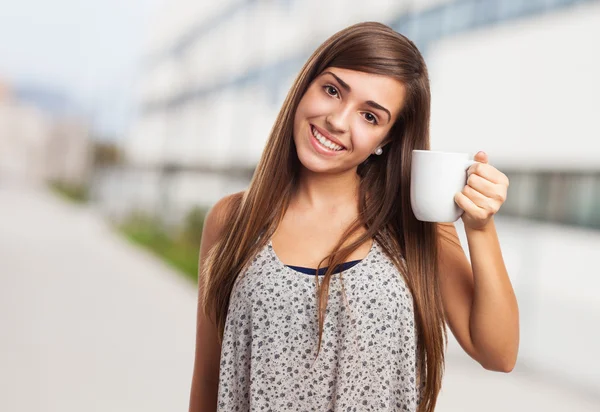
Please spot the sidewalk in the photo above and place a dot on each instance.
(90, 322)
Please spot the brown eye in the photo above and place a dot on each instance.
(370, 118)
(330, 90)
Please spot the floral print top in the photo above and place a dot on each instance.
(367, 360)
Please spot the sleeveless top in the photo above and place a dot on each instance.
(367, 360)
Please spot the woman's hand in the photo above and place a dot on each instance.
(484, 193)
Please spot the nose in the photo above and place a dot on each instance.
(337, 121)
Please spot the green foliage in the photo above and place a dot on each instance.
(193, 224)
(74, 193)
(180, 251)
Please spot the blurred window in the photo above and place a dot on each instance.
(287, 4)
(510, 8)
(485, 12)
(458, 16)
(565, 197)
(543, 211)
(558, 3)
(428, 25)
(595, 202)
(558, 190)
(533, 6)
(580, 199)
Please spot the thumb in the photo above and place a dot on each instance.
(481, 157)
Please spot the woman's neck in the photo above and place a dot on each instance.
(326, 191)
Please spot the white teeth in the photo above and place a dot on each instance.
(325, 141)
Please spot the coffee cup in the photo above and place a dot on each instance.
(436, 177)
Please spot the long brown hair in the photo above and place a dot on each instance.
(384, 201)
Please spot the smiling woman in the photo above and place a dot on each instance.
(339, 117)
(332, 188)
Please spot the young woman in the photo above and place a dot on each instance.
(318, 288)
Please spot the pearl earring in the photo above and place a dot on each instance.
(379, 151)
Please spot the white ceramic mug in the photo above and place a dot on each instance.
(436, 177)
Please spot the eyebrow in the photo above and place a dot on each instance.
(371, 103)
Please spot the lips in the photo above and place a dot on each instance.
(320, 148)
(326, 136)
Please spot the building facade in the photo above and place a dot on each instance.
(514, 78)
(37, 145)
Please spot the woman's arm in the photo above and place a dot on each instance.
(205, 379)
(479, 301)
(480, 304)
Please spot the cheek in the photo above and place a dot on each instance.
(299, 116)
(365, 138)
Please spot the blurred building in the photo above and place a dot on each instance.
(23, 133)
(36, 145)
(516, 78)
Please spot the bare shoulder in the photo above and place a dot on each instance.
(205, 380)
(218, 215)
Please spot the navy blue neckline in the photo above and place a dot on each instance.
(311, 271)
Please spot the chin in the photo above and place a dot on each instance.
(316, 164)
(313, 163)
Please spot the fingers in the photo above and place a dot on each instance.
(484, 202)
(487, 188)
(481, 157)
(488, 172)
(484, 193)
(469, 206)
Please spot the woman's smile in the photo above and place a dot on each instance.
(324, 144)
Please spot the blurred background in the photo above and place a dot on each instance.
(121, 123)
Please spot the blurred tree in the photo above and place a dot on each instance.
(179, 251)
(72, 192)
(193, 224)
(107, 153)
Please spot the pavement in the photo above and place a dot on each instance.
(91, 322)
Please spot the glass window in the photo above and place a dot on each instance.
(510, 8)
(558, 191)
(428, 24)
(527, 194)
(541, 197)
(558, 3)
(485, 12)
(595, 203)
(400, 24)
(561, 197)
(458, 16)
(579, 199)
(511, 205)
(410, 28)
(532, 6)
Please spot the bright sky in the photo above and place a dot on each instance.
(89, 49)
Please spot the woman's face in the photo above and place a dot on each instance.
(343, 117)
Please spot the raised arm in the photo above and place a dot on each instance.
(479, 301)
(205, 379)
